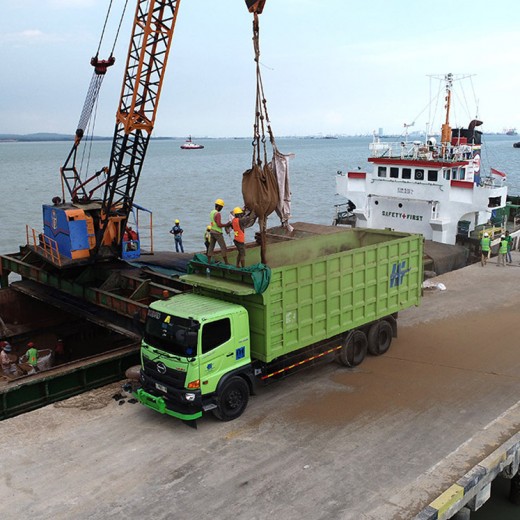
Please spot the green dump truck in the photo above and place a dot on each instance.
(327, 293)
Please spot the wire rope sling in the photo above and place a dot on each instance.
(265, 186)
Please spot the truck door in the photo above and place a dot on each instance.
(219, 354)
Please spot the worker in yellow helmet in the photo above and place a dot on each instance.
(207, 236)
(177, 232)
(239, 236)
(217, 227)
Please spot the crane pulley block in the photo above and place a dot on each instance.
(255, 6)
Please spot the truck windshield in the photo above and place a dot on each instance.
(172, 334)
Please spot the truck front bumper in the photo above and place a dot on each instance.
(164, 405)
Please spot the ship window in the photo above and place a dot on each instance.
(381, 171)
(407, 173)
(494, 202)
(215, 333)
(462, 173)
(419, 174)
(447, 174)
(394, 172)
(454, 173)
(433, 175)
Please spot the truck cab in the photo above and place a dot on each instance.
(193, 345)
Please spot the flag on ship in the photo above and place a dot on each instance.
(498, 173)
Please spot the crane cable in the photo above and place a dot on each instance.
(91, 99)
(261, 115)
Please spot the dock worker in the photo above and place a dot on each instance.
(502, 251)
(509, 238)
(217, 227)
(177, 232)
(130, 237)
(239, 237)
(5, 360)
(32, 355)
(207, 236)
(485, 249)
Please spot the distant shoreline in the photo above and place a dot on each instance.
(49, 137)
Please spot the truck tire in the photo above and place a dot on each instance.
(380, 338)
(354, 349)
(232, 400)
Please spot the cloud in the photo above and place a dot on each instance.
(29, 37)
(72, 4)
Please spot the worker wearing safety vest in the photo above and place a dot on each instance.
(32, 355)
(239, 236)
(216, 231)
(485, 248)
(207, 236)
(502, 252)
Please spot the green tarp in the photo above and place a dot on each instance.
(260, 273)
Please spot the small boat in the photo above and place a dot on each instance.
(190, 145)
(428, 187)
(516, 145)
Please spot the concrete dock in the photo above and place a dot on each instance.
(417, 433)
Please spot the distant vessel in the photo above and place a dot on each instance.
(190, 145)
(511, 131)
(436, 189)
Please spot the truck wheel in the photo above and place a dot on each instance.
(380, 337)
(232, 400)
(354, 349)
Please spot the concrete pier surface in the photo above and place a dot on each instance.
(415, 433)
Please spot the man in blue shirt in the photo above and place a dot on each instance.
(177, 232)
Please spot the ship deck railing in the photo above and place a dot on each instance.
(45, 246)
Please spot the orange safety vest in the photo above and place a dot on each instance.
(239, 232)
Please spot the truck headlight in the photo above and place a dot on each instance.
(190, 397)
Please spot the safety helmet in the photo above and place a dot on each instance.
(237, 211)
(177, 221)
(219, 202)
(486, 234)
(502, 236)
(208, 228)
(7, 348)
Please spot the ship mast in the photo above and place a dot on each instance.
(446, 128)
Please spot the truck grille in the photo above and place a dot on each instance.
(173, 378)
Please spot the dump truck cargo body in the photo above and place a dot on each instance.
(327, 294)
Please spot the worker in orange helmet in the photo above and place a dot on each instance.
(239, 237)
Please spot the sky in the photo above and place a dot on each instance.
(328, 66)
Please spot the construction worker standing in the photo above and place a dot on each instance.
(32, 355)
(239, 236)
(217, 226)
(509, 238)
(502, 252)
(207, 236)
(485, 248)
(177, 232)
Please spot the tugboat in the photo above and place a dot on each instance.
(190, 145)
(436, 189)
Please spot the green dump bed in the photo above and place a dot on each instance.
(324, 281)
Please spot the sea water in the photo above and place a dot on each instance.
(184, 184)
